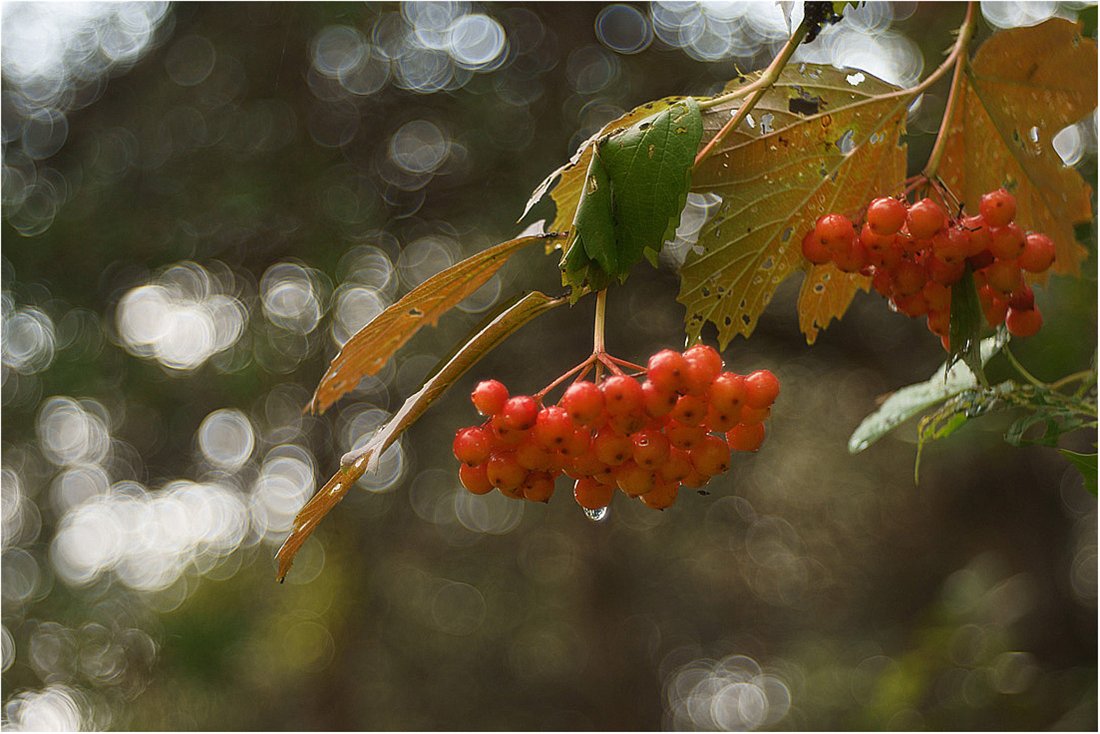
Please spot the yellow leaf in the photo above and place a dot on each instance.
(821, 140)
(1023, 86)
(355, 464)
(372, 346)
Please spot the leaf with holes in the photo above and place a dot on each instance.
(356, 463)
(1023, 86)
(820, 140)
(372, 346)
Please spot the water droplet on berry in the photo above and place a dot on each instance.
(595, 515)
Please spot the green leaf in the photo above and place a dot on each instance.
(356, 463)
(913, 399)
(634, 189)
(650, 168)
(1086, 464)
(965, 329)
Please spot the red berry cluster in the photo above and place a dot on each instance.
(915, 253)
(648, 438)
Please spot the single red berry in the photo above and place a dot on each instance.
(704, 363)
(883, 282)
(472, 445)
(1023, 323)
(657, 402)
(721, 420)
(505, 436)
(592, 495)
(951, 246)
(650, 449)
(835, 232)
(746, 438)
(475, 478)
(1003, 276)
(886, 215)
(519, 413)
(628, 423)
(622, 395)
(489, 397)
(553, 427)
(538, 487)
(1022, 299)
(585, 465)
(634, 480)
(711, 457)
(578, 443)
(683, 436)
(584, 403)
(761, 389)
(1038, 253)
(813, 250)
(939, 322)
(998, 207)
(677, 466)
(690, 410)
(925, 218)
(662, 496)
(945, 273)
(853, 259)
(912, 305)
(994, 307)
(754, 415)
(504, 471)
(1007, 242)
(727, 392)
(667, 370)
(909, 278)
(977, 229)
(612, 448)
(695, 480)
(533, 456)
(937, 295)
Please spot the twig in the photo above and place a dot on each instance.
(759, 87)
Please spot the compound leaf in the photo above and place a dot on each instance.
(371, 347)
(820, 140)
(1023, 86)
(356, 463)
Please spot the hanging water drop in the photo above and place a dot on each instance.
(595, 515)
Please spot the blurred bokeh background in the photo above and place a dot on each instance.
(201, 202)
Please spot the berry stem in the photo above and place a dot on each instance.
(597, 329)
(957, 57)
(758, 88)
(572, 371)
(624, 363)
(1075, 377)
(1020, 368)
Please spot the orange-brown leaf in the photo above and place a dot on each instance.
(825, 295)
(356, 463)
(1023, 86)
(372, 346)
(820, 140)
